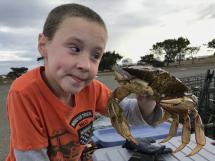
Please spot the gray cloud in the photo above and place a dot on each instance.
(24, 20)
(149, 13)
(161, 7)
(6, 65)
(207, 12)
(26, 45)
(16, 41)
(130, 20)
(120, 17)
(22, 13)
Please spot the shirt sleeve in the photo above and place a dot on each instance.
(133, 114)
(33, 155)
(27, 131)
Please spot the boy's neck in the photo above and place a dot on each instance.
(68, 99)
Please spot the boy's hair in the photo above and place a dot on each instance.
(58, 14)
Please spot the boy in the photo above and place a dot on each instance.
(51, 108)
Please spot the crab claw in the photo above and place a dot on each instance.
(118, 121)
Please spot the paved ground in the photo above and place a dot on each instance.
(4, 130)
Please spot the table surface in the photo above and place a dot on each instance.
(108, 137)
(118, 153)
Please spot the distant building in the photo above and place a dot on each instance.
(159, 58)
(126, 62)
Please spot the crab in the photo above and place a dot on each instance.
(174, 97)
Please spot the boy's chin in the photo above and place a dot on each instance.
(74, 90)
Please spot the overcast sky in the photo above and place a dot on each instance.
(133, 25)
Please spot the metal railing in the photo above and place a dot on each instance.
(203, 86)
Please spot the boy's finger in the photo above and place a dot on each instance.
(140, 97)
(144, 97)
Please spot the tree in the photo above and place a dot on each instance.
(182, 44)
(108, 60)
(151, 60)
(168, 46)
(192, 50)
(211, 44)
(158, 52)
(172, 48)
(16, 72)
(147, 58)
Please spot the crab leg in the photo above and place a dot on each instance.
(174, 101)
(185, 133)
(199, 134)
(121, 92)
(173, 128)
(165, 117)
(186, 102)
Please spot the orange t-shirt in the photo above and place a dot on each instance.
(38, 119)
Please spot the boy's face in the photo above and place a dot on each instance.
(73, 55)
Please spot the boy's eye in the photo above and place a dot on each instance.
(97, 55)
(74, 49)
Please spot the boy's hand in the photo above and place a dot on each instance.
(146, 105)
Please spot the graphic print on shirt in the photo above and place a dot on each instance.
(59, 146)
(85, 122)
(65, 146)
(85, 133)
(81, 116)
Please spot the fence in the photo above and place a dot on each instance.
(203, 86)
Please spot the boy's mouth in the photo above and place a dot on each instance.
(78, 79)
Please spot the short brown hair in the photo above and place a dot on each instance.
(58, 14)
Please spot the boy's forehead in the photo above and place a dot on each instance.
(79, 23)
(81, 30)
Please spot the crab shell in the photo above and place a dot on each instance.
(164, 85)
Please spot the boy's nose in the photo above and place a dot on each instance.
(84, 63)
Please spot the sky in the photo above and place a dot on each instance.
(133, 26)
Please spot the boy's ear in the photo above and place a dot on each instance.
(42, 41)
